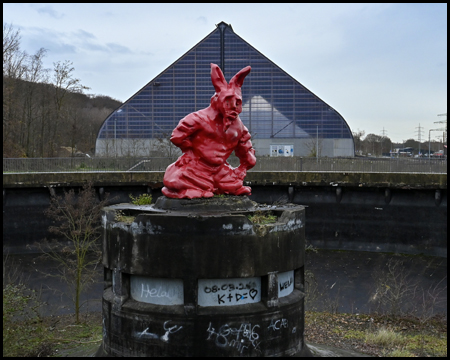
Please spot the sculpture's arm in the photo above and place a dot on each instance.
(246, 154)
(185, 128)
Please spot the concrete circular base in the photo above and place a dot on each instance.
(199, 278)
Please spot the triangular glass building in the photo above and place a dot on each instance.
(283, 117)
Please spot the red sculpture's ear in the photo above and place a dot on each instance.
(238, 79)
(217, 78)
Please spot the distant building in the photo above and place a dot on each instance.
(407, 151)
(283, 117)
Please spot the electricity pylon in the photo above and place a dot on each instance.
(419, 135)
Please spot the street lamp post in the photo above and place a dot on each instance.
(429, 141)
(115, 138)
(429, 144)
(317, 145)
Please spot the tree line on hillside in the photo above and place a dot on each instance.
(45, 111)
(377, 145)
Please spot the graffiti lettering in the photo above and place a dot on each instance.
(157, 292)
(239, 338)
(286, 284)
(229, 292)
(278, 324)
(229, 287)
(146, 334)
(168, 330)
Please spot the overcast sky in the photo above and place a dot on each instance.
(381, 66)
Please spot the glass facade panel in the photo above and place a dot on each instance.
(275, 105)
(156, 109)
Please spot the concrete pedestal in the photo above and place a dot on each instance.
(199, 278)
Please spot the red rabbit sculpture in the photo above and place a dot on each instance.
(207, 138)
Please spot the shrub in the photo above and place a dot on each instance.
(23, 331)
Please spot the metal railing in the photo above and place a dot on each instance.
(102, 164)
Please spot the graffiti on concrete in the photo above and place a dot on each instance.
(276, 325)
(157, 291)
(165, 337)
(229, 292)
(245, 337)
(240, 338)
(285, 283)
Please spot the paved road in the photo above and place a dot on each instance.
(345, 280)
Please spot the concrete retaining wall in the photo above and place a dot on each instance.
(393, 212)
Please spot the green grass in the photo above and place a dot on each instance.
(378, 335)
(27, 334)
(428, 345)
(385, 337)
(399, 353)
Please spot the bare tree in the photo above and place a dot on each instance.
(394, 288)
(358, 138)
(64, 84)
(13, 68)
(314, 146)
(13, 57)
(35, 73)
(78, 221)
(166, 147)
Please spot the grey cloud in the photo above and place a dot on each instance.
(84, 34)
(117, 48)
(50, 11)
(56, 47)
(202, 20)
(93, 47)
(54, 41)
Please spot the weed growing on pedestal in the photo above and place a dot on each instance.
(121, 217)
(144, 199)
(260, 217)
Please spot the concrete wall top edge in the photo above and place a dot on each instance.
(288, 178)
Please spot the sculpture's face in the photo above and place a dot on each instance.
(229, 104)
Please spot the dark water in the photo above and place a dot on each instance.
(346, 281)
(342, 281)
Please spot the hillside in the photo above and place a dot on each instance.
(44, 120)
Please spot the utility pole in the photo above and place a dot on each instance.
(383, 135)
(419, 135)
